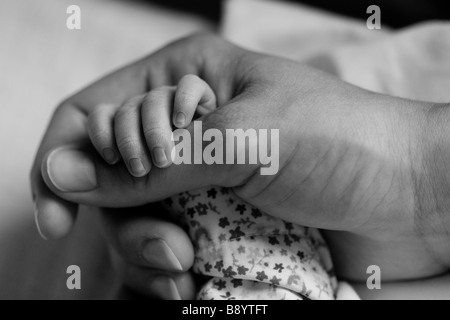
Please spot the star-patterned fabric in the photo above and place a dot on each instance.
(250, 255)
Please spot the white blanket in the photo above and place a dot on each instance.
(412, 63)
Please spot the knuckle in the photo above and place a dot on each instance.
(184, 98)
(150, 130)
(155, 135)
(130, 104)
(123, 112)
(99, 135)
(155, 96)
(63, 107)
(128, 143)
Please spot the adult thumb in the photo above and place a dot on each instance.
(81, 176)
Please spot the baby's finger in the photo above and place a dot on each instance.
(193, 94)
(156, 125)
(101, 132)
(129, 138)
(160, 285)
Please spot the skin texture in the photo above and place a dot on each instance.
(369, 167)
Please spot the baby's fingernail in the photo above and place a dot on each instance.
(137, 167)
(71, 171)
(165, 288)
(180, 119)
(110, 155)
(159, 155)
(36, 220)
(159, 255)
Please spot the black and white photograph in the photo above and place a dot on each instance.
(245, 151)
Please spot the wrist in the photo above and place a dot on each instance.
(403, 232)
(432, 182)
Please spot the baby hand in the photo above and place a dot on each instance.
(140, 131)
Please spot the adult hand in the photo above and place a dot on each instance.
(150, 253)
(365, 165)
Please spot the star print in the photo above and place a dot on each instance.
(289, 227)
(273, 241)
(293, 258)
(222, 237)
(301, 255)
(229, 272)
(208, 267)
(242, 270)
(275, 281)
(202, 209)
(241, 249)
(283, 252)
(287, 240)
(220, 284)
(223, 222)
(279, 267)
(236, 233)
(295, 238)
(276, 231)
(219, 265)
(212, 193)
(256, 213)
(236, 283)
(261, 276)
(241, 208)
(224, 191)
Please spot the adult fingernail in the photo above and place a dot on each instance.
(137, 167)
(159, 155)
(159, 255)
(71, 171)
(165, 288)
(36, 220)
(180, 119)
(110, 155)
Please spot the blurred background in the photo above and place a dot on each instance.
(42, 62)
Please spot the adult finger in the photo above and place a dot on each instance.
(160, 285)
(147, 241)
(55, 216)
(81, 177)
